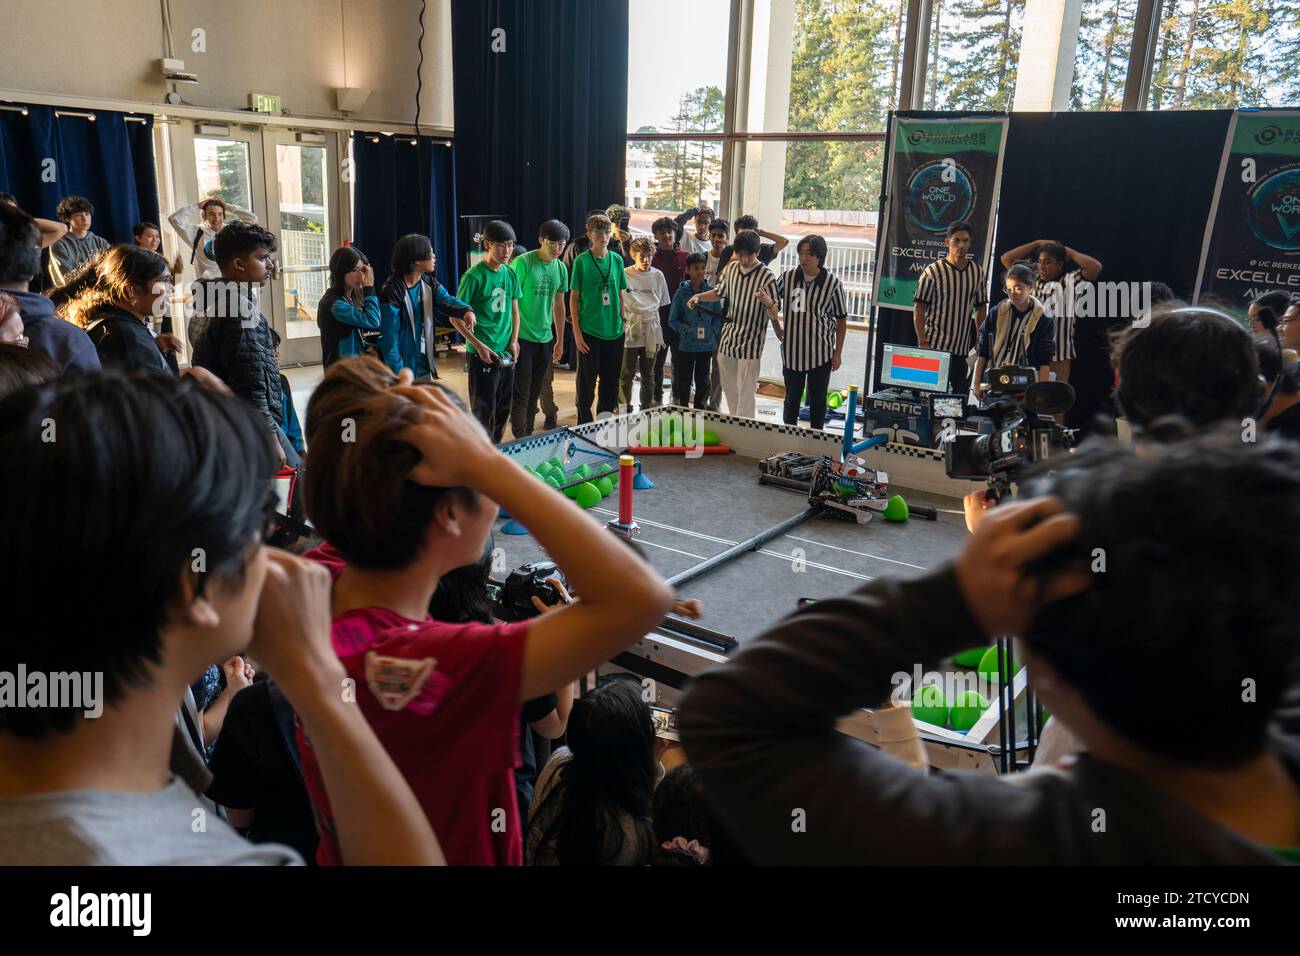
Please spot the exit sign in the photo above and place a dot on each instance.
(264, 102)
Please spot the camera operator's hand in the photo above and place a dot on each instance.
(990, 569)
(565, 598)
(974, 505)
(979, 389)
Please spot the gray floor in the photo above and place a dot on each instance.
(701, 507)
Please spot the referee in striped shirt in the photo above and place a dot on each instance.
(815, 315)
(740, 346)
(951, 305)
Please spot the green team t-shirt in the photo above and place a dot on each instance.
(489, 294)
(598, 283)
(540, 282)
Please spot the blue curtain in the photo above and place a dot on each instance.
(392, 175)
(110, 161)
(542, 126)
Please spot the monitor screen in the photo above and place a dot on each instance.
(910, 367)
(947, 406)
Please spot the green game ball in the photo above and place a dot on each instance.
(970, 657)
(968, 707)
(988, 665)
(572, 491)
(929, 706)
(896, 510)
(588, 495)
(582, 471)
(834, 399)
(605, 486)
(555, 463)
(711, 438)
(552, 481)
(614, 475)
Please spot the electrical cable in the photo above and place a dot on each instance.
(419, 87)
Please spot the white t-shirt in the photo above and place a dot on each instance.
(690, 243)
(645, 293)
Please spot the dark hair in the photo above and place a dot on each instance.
(23, 368)
(9, 198)
(1272, 306)
(1053, 249)
(498, 230)
(1182, 615)
(612, 772)
(1270, 366)
(275, 338)
(240, 238)
(746, 222)
(681, 811)
(662, 223)
(342, 262)
(1021, 272)
(697, 259)
(214, 201)
(746, 243)
(1160, 294)
(367, 463)
(138, 229)
(409, 250)
(1191, 362)
(518, 251)
(816, 246)
(148, 471)
(720, 225)
(20, 238)
(960, 226)
(462, 593)
(553, 230)
(114, 278)
(69, 206)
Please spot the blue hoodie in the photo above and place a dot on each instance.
(402, 342)
(68, 345)
(687, 322)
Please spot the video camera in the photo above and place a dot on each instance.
(1023, 431)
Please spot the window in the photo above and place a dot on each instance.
(847, 65)
(1216, 55)
(974, 53)
(678, 174)
(304, 233)
(222, 167)
(677, 66)
(1102, 54)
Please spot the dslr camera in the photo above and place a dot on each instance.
(1021, 430)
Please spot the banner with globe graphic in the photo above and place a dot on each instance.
(941, 171)
(1252, 240)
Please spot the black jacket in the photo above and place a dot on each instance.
(760, 732)
(124, 343)
(239, 350)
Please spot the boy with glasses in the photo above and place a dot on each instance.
(491, 290)
(542, 281)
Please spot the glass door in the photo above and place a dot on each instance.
(304, 215)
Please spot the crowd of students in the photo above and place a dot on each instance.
(362, 701)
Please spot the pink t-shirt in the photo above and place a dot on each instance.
(444, 701)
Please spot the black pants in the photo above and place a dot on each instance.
(818, 380)
(598, 373)
(691, 367)
(491, 390)
(530, 376)
(670, 344)
(958, 375)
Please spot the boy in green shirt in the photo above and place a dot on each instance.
(594, 289)
(543, 280)
(491, 289)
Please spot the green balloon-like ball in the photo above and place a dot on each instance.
(970, 657)
(555, 463)
(605, 486)
(966, 709)
(711, 438)
(552, 481)
(582, 471)
(988, 665)
(929, 706)
(614, 475)
(834, 399)
(896, 510)
(572, 491)
(588, 495)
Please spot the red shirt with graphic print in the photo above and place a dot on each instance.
(444, 701)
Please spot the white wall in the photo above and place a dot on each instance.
(299, 49)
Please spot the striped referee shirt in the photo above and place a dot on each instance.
(950, 295)
(1058, 299)
(745, 328)
(812, 311)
